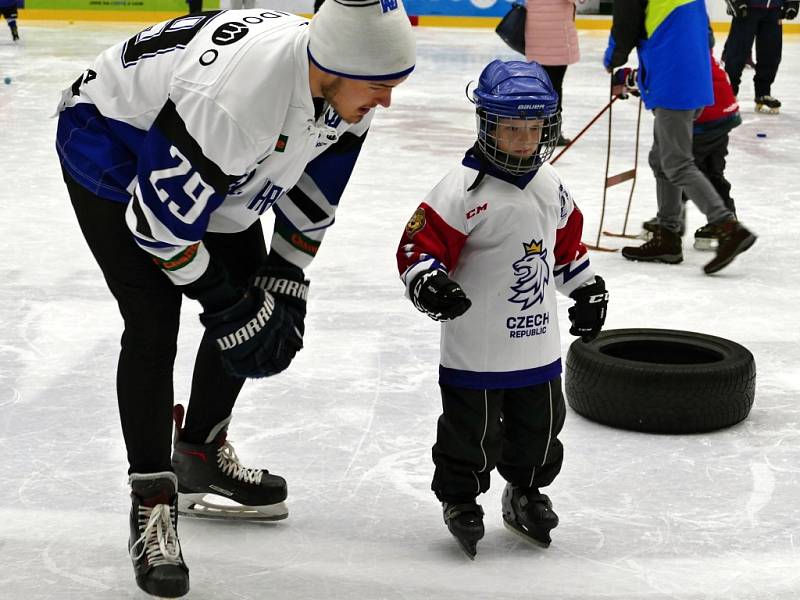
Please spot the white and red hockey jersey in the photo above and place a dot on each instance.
(510, 243)
(204, 122)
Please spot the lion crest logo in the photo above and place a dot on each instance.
(416, 223)
(533, 275)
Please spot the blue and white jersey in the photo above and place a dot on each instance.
(203, 123)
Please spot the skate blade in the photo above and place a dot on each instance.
(526, 536)
(706, 244)
(766, 110)
(469, 548)
(198, 505)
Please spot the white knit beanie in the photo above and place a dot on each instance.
(363, 39)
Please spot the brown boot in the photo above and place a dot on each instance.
(665, 246)
(734, 239)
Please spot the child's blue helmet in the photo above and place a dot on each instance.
(516, 90)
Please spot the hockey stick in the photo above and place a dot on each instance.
(582, 131)
(633, 184)
(612, 97)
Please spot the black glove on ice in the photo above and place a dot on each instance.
(438, 296)
(588, 313)
(257, 336)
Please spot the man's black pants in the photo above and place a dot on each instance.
(150, 307)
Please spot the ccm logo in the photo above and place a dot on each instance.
(477, 210)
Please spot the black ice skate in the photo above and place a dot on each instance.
(153, 545)
(214, 468)
(734, 239)
(706, 239)
(14, 34)
(529, 514)
(465, 522)
(768, 104)
(665, 246)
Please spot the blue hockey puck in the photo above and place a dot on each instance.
(761, 135)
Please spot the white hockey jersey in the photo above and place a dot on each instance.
(204, 122)
(510, 243)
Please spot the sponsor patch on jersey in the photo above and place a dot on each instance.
(563, 197)
(179, 260)
(229, 33)
(532, 275)
(280, 145)
(416, 223)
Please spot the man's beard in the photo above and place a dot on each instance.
(329, 92)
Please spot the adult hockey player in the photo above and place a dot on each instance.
(757, 21)
(674, 78)
(173, 144)
(485, 252)
(8, 9)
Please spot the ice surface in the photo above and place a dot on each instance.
(351, 423)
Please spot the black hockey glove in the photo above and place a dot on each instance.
(289, 285)
(737, 8)
(257, 335)
(624, 83)
(588, 313)
(438, 296)
(789, 9)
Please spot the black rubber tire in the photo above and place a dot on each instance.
(660, 380)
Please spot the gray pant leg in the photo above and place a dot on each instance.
(673, 164)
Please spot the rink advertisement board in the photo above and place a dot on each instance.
(143, 5)
(458, 8)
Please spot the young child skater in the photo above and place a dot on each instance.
(504, 226)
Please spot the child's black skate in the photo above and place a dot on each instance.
(465, 522)
(768, 104)
(214, 468)
(529, 514)
(153, 545)
(14, 34)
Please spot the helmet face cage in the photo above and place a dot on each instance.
(495, 135)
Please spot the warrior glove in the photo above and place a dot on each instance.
(257, 335)
(588, 313)
(438, 296)
(789, 9)
(288, 284)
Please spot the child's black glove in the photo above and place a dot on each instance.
(588, 313)
(789, 9)
(438, 296)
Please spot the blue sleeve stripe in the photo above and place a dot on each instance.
(499, 379)
(567, 272)
(152, 244)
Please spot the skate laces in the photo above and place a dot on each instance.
(159, 540)
(230, 465)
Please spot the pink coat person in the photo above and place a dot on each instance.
(550, 34)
